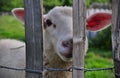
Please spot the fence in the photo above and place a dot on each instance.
(116, 36)
(34, 41)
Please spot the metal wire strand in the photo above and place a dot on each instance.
(70, 69)
(21, 69)
(99, 69)
(58, 69)
(91, 69)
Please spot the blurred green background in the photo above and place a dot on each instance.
(7, 5)
(99, 54)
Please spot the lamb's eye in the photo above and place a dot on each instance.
(48, 22)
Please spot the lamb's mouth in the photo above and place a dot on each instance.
(67, 55)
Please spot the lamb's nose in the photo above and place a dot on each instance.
(68, 43)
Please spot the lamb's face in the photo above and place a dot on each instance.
(59, 28)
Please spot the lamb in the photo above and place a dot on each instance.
(58, 42)
(12, 57)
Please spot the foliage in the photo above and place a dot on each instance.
(89, 2)
(7, 5)
(50, 4)
(102, 40)
(97, 58)
(94, 60)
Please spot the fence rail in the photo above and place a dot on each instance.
(79, 16)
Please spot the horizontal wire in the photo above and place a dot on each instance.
(99, 69)
(57, 69)
(21, 69)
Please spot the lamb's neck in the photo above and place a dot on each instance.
(54, 61)
(58, 63)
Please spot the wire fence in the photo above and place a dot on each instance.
(70, 69)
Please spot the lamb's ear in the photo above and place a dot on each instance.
(19, 14)
(98, 21)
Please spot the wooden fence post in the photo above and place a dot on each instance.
(34, 37)
(79, 16)
(116, 36)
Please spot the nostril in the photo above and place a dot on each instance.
(65, 44)
(68, 43)
(71, 41)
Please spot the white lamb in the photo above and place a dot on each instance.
(58, 42)
(12, 57)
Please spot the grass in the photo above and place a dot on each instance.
(95, 58)
(11, 28)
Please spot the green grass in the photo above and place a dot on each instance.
(11, 28)
(95, 58)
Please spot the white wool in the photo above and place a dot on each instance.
(12, 56)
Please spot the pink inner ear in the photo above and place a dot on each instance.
(98, 21)
(19, 14)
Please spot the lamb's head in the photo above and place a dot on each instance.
(58, 28)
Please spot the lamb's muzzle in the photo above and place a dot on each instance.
(69, 45)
